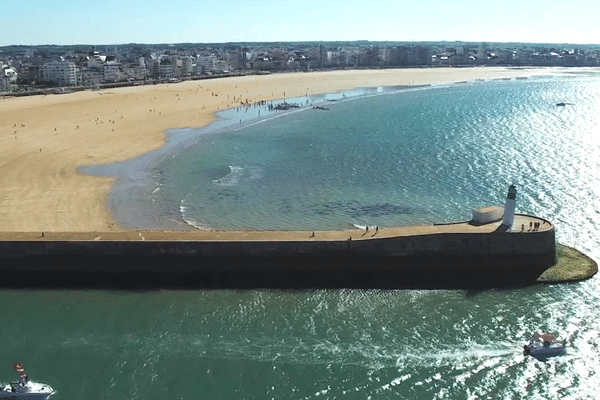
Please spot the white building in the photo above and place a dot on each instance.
(11, 73)
(96, 61)
(166, 70)
(62, 73)
(236, 60)
(91, 77)
(136, 72)
(222, 66)
(178, 67)
(112, 71)
(4, 83)
(386, 55)
(187, 64)
(208, 63)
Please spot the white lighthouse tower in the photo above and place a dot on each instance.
(509, 207)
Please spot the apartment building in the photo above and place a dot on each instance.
(4, 83)
(62, 73)
(112, 71)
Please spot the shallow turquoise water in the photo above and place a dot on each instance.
(422, 156)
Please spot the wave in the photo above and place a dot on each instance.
(232, 178)
(237, 174)
(186, 214)
(363, 227)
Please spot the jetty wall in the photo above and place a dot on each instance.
(428, 260)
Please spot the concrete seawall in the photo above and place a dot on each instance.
(458, 255)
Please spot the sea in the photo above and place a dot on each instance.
(384, 156)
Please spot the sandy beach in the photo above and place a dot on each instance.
(46, 138)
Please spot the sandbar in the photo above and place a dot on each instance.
(46, 138)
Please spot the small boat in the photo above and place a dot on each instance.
(24, 389)
(544, 345)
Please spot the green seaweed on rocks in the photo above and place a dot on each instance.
(571, 266)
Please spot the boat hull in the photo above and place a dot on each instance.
(31, 391)
(24, 396)
(538, 350)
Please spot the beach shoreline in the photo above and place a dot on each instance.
(46, 139)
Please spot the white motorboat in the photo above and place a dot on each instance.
(545, 345)
(24, 389)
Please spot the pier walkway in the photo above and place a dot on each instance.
(526, 222)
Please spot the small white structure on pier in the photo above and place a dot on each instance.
(487, 214)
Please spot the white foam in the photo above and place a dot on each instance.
(232, 178)
(363, 227)
(239, 174)
(183, 213)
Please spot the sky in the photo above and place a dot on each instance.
(220, 21)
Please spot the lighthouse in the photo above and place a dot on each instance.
(509, 207)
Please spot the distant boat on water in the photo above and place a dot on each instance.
(544, 345)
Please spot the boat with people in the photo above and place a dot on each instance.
(24, 388)
(544, 345)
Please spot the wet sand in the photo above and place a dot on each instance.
(44, 139)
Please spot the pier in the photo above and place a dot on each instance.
(429, 256)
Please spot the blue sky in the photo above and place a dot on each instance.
(174, 21)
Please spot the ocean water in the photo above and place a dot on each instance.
(386, 157)
(381, 157)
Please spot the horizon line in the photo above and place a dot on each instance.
(301, 41)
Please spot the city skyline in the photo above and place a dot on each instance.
(98, 22)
